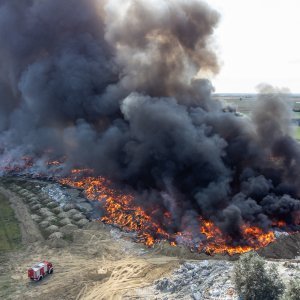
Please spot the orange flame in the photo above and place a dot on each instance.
(121, 210)
(16, 167)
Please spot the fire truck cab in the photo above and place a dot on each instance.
(40, 270)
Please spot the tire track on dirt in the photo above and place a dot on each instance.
(127, 276)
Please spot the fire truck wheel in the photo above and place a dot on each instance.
(50, 271)
(40, 278)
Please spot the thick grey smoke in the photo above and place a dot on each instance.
(112, 85)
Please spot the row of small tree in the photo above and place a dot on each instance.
(254, 281)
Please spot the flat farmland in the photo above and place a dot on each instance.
(244, 104)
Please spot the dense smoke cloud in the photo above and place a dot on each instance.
(112, 85)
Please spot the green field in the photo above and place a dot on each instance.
(10, 235)
(295, 115)
(296, 132)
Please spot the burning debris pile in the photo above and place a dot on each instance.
(122, 209)
(117, 87)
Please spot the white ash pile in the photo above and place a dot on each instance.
(288, 270)
(199, 280)
(127, 246)
(66, 197)
(55, 192)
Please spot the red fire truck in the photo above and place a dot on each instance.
(40, 270)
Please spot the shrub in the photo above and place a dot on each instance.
(254, 281)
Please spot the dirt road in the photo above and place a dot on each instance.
(94, 266)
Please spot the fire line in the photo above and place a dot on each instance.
(121, 210)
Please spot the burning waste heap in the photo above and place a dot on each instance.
(109, 96)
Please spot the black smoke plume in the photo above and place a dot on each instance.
(115, 86)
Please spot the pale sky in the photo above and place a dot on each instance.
(258, 42)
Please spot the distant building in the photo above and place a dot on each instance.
(296, 107)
